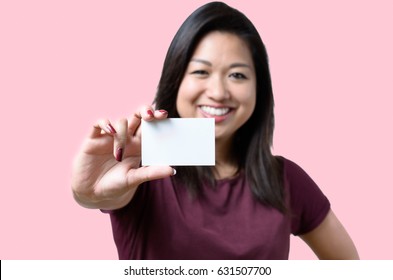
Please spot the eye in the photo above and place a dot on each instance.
(238, 76)
(199, 72)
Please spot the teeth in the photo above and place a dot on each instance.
(215, 111)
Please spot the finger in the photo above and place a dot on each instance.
(149, 173)
(160, 114)
(120, 139)
(146, 113)
(133, 124)
(135, 120)
(101, 126)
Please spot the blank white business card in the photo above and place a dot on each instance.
(180, 141)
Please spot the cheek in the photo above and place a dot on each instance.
(185, 97)
(249, 100)
(249, 110)
(253, 102)
(188, 88)
(187, 92)
(179, 104)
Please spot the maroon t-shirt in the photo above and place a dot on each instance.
(162, 221)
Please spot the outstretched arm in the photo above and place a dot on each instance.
(330, 240)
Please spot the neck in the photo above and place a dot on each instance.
(226, 165)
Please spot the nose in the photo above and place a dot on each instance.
(217, 89)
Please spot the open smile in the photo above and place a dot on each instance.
(215, 111)
(218, 113)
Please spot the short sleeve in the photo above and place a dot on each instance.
(308, 205)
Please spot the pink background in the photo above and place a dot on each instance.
(64, 64)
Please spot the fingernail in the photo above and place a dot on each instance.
(110, 128)
(174, 172)
(119, 154)
(150, 113)
(163, 111)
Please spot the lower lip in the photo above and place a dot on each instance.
(217, 119)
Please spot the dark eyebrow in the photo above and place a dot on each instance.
(201, 61)
(233, 65)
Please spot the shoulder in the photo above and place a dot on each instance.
(290, 168)
(295, 175)
(308, 204)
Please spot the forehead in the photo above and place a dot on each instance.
(223, 44)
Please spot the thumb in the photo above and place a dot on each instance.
(149, 173)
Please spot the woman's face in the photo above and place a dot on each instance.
(219, 83)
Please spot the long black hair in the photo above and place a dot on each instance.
(252, 142)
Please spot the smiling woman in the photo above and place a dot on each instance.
(250, 202)
(219, 83)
